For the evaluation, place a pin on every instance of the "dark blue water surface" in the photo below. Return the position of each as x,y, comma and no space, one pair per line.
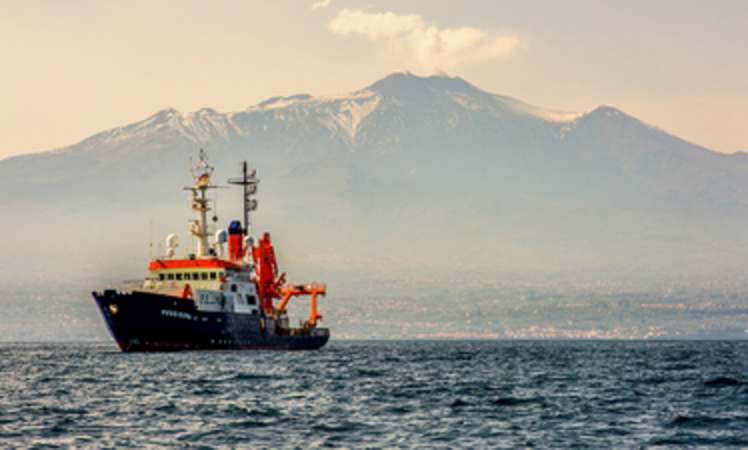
379,394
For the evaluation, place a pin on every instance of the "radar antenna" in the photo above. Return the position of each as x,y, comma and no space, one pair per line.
201,173
249,182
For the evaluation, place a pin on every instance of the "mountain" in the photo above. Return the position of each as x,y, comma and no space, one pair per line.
407,177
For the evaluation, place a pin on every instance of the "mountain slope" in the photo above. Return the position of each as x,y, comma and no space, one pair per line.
408,174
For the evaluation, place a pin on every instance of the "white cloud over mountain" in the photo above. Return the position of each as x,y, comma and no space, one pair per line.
423,46
321,4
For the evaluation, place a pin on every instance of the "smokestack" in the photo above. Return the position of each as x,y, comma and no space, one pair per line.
236,241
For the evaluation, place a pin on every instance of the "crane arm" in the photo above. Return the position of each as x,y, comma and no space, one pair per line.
297,290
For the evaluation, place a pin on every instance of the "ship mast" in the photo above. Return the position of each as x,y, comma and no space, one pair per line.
249,182
201,173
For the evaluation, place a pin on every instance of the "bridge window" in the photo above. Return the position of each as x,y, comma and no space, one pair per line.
161,276
170,276
187,276
233,288
212,275
195,276
179,276
204,275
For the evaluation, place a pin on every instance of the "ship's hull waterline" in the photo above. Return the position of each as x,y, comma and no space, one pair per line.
148,322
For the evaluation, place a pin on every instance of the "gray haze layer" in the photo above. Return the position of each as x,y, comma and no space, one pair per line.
432,207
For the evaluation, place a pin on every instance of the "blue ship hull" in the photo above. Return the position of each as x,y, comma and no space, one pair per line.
146,322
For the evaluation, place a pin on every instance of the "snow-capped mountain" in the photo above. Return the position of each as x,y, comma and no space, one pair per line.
398,174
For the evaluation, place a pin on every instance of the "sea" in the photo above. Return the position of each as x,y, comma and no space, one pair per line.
379,394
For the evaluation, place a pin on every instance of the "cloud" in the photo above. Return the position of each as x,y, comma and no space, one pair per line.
321,4
422,46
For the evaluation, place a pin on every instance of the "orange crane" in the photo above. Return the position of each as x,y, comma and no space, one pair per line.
297,290
271,285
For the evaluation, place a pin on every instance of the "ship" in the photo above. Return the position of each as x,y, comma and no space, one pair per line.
226,294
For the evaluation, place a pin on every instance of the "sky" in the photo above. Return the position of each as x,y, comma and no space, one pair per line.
71,69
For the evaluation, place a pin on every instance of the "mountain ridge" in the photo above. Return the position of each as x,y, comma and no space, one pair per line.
394,168
206,123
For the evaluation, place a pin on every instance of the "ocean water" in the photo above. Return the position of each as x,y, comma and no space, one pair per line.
408,394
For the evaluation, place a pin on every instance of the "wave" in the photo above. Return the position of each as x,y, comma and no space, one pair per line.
699,421
723,382
247,376
513,401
